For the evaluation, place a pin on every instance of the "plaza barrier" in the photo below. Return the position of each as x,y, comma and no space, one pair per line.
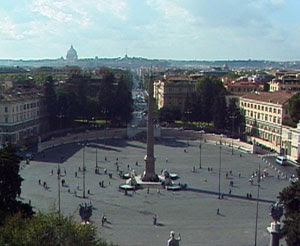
84,136
162,132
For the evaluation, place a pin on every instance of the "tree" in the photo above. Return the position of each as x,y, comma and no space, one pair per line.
219,112
48,229
106,95
67,105
192,108
290,197
208,89
123,105
235,118
169,114
50,101
294,107
10,185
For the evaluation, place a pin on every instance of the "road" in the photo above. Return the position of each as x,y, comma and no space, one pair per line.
288,170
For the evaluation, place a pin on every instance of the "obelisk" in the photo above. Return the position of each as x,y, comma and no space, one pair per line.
149,173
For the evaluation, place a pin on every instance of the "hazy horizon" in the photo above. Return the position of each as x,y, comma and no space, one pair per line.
154,29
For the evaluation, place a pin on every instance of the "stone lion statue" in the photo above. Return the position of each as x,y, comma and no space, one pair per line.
276,211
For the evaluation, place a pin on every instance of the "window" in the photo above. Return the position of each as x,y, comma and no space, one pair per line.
258,107
24,107
279,111
6,119
6,109
274,110
262,107
270,109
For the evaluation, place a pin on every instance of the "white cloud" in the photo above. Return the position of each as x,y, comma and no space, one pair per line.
117,8
9,29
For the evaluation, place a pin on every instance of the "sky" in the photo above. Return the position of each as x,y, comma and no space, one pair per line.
154,29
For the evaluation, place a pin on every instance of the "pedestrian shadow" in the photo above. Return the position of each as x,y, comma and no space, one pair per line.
215,193
159,224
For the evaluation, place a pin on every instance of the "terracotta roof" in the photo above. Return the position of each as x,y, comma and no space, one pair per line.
278,97
238,84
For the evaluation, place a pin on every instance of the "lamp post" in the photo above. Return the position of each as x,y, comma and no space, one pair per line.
96,158
83,167
256,216
200,148
220,162
83,170
232,120
58,186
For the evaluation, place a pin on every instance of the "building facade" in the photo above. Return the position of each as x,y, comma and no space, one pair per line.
173,91
21,116
291,142
285,81
264,115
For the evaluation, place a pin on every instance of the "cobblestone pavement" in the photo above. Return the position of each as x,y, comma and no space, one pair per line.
192,212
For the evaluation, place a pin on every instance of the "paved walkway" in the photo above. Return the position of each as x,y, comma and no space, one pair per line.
191,212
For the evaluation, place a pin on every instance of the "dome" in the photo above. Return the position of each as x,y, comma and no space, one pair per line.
72,54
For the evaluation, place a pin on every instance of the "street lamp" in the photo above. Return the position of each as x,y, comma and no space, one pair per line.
200,156
200,148
83,170
256,217
220,169
96,158
232,120
58,186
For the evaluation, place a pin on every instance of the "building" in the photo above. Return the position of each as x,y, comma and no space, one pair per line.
20,117
264,114
241,88
285,81
172,91
72,55
291,142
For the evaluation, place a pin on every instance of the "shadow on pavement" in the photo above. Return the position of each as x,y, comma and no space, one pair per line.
227,195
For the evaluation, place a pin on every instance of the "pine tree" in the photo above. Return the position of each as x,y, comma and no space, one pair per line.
290,197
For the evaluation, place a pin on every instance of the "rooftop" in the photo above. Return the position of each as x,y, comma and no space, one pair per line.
278,97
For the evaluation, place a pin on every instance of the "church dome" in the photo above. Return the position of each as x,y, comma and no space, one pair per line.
72,54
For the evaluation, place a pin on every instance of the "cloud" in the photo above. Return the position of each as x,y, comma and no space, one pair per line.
9,29
117,8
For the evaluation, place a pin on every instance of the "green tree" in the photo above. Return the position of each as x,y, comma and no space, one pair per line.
123,105
10,185
192,108
48,229
220,112
294,107
67,105
169,114
290,197
106,95
266,86
208,89
235,118
50,101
